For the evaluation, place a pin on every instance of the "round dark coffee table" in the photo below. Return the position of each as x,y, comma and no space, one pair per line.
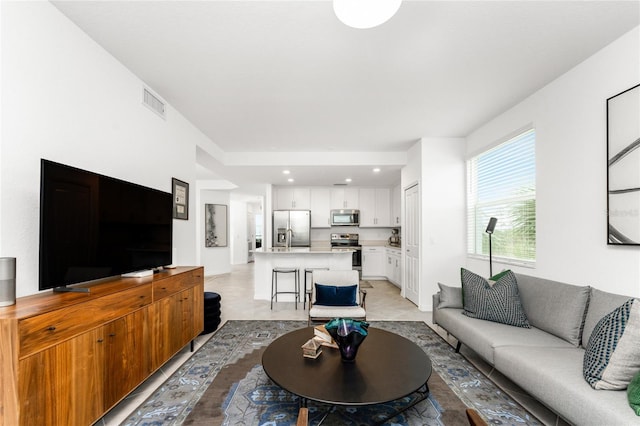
387,367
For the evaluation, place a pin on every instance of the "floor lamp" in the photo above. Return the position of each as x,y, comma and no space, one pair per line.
490,227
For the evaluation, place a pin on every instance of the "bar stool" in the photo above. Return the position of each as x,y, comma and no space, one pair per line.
306,289
274,284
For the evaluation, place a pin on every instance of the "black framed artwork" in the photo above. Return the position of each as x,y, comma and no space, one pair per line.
180,191
623,168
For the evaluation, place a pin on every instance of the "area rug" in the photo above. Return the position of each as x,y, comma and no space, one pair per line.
224,384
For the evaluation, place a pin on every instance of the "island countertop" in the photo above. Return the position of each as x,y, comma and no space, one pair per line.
300,258
301,250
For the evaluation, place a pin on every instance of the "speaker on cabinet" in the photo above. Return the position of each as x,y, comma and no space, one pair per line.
7,281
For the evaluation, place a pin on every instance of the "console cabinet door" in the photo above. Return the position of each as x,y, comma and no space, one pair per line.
62,385
127,355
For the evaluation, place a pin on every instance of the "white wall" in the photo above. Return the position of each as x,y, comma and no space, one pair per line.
238,232
66,99
216,260
569,116
443,215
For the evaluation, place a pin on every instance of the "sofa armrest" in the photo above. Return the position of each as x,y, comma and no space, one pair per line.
434,308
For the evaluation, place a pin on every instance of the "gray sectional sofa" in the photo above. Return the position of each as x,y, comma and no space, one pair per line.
546,360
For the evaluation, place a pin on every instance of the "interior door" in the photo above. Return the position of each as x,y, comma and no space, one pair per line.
411,243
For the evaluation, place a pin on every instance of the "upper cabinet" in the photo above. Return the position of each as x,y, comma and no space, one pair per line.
396,206
344,198
320,207
292,197
375,207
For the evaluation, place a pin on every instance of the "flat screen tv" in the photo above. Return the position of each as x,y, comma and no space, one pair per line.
94,227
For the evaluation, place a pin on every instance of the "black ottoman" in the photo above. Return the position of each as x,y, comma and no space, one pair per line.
211,311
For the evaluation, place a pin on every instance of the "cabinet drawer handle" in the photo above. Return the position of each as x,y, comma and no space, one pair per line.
112,335
100,340
141,297
51,328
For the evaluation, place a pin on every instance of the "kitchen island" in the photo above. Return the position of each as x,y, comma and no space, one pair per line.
295,257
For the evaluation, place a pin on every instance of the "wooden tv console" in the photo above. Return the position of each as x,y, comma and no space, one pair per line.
68,358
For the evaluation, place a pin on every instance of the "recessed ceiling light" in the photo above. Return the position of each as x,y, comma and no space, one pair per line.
286,172
376,170
290,180
347,180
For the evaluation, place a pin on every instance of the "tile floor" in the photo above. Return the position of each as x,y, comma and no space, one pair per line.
383,303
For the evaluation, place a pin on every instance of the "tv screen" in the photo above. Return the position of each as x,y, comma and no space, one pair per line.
93,226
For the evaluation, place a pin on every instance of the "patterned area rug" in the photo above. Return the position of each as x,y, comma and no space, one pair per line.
227,371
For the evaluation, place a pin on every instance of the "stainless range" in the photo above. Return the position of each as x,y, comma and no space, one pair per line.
351,241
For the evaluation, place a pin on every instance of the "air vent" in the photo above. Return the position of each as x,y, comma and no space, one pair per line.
339,184
152,102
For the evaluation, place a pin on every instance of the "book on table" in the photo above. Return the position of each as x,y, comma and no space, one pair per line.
321,333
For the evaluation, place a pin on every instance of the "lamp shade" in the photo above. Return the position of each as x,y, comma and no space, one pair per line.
365,13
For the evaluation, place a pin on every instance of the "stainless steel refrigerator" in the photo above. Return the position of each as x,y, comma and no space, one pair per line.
291,228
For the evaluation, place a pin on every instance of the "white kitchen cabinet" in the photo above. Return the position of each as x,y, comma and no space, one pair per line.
375,210
373,262
294,197
393,267
320,207
396,206
344,198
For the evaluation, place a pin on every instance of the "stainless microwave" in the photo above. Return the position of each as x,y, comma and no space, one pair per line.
345,217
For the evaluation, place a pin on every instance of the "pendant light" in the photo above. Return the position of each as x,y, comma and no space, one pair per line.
363,14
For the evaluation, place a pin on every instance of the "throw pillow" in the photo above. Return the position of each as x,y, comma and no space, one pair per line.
331,295
450,297
612,356
499,302
633,393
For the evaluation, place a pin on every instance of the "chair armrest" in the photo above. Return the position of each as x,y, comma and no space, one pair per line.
363,296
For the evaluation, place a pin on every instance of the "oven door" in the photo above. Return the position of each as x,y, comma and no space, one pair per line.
345,217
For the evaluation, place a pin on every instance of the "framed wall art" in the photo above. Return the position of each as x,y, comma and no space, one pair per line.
623,167
215,225
180,191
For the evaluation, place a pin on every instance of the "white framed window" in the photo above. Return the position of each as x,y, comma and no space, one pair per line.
501,183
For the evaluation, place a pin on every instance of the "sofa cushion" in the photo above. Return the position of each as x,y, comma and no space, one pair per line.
633,393
612,356
485,336
450,297
600,304
555,307
554,377
499,302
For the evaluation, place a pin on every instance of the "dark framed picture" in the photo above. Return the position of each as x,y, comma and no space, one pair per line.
623,167
180,191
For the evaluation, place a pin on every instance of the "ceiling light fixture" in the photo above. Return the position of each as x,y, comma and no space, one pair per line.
290,180
347,180
286,172
376,170
363,14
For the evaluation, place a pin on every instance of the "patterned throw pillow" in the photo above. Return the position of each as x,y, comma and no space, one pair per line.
633,393
499,302
612,356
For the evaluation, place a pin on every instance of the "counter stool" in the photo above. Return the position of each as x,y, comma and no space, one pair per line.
306,289
274,284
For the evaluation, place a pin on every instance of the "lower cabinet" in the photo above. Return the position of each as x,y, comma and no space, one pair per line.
373,262
75,369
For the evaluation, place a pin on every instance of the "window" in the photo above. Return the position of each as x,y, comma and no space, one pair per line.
501,183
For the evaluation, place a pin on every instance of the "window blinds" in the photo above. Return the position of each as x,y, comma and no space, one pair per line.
501,183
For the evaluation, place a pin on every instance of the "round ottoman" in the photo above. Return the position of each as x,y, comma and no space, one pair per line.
211,312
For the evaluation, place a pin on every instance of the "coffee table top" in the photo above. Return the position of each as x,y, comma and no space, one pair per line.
387,367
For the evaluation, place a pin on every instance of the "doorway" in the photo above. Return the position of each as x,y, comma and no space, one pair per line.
411,243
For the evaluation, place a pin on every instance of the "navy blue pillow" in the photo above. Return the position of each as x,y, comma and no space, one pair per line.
331,295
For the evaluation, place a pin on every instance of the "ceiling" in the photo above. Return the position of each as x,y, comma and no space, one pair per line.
284,84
